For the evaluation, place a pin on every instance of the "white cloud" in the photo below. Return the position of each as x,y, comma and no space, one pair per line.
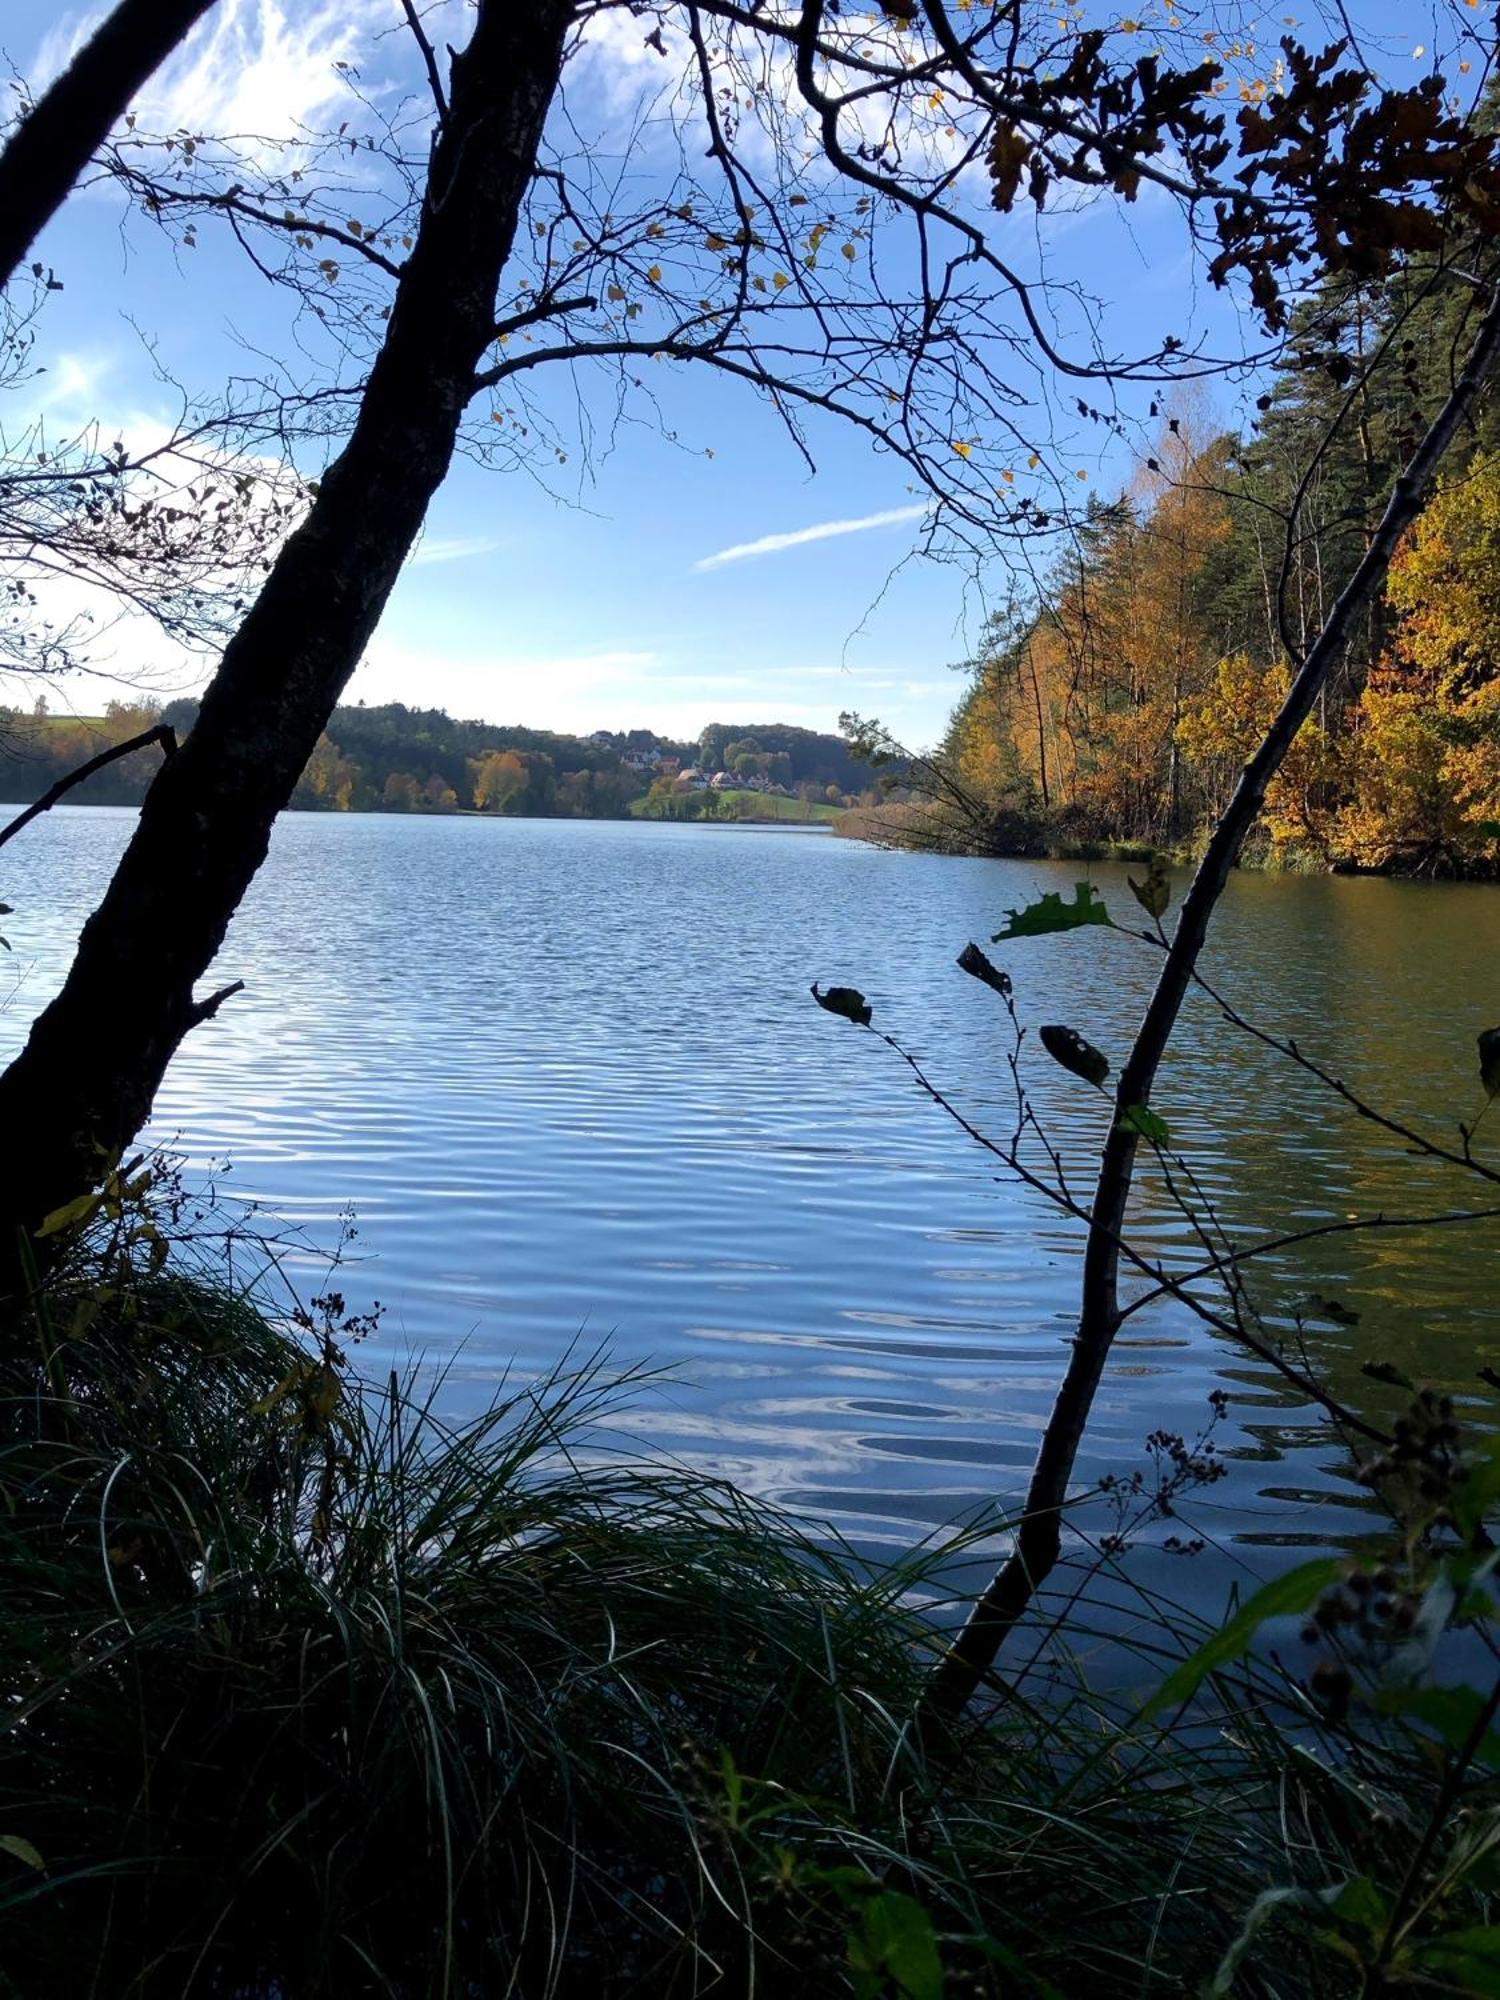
820,531
251,67
68,387
451,548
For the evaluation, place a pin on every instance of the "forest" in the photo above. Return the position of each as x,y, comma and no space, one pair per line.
391,758
1117,697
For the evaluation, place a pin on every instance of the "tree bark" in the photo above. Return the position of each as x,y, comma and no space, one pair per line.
84,1083
1038,1541
54,141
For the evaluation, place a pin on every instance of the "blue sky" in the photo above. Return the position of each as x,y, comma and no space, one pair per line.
672,587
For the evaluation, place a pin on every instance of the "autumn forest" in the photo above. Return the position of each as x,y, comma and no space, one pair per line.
1118,698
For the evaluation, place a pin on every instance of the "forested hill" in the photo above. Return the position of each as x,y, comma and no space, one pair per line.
393,758
1121,701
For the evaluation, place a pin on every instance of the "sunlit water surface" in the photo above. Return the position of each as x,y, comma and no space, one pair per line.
571,1079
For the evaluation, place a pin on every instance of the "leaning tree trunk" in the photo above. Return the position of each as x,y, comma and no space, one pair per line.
1038,1541
53,142
84,1083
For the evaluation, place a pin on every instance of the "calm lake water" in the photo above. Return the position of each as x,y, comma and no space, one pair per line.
571,1079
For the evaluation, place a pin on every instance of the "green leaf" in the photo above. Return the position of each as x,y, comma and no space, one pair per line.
1480,1490
81,1209
845,1001
895,1944
1067,1046
1359,1903
973,961
1155,892
1489,1061
1282,1598
1451,1713
1468,1960
12,1843
1144,1122
1050,913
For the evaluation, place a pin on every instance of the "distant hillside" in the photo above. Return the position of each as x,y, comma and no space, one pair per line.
392,758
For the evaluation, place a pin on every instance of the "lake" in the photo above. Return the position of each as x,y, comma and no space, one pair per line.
570,1077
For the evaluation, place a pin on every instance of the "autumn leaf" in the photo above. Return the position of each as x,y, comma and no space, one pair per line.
1489,1061
1387,1372
1316,1306
1155,892
1008,154
845,1001
973,961
1068,1047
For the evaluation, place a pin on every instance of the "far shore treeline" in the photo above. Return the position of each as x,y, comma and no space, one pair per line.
392,758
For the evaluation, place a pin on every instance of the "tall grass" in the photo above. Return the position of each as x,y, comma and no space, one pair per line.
310,1692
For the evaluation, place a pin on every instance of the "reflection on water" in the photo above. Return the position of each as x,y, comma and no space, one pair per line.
571,1078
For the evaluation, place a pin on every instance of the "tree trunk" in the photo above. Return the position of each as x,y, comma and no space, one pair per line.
1038,1540
84,1083
54,141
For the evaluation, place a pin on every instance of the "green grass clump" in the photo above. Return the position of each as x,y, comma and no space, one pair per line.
312,1693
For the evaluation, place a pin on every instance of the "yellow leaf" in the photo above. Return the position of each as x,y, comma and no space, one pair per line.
1034,461
280,1393
780,280
961,448
79,1210
850,252
654,274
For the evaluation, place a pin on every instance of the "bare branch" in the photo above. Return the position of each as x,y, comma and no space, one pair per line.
163,734
420,37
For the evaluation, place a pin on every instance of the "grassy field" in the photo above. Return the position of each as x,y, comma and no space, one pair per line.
746,805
